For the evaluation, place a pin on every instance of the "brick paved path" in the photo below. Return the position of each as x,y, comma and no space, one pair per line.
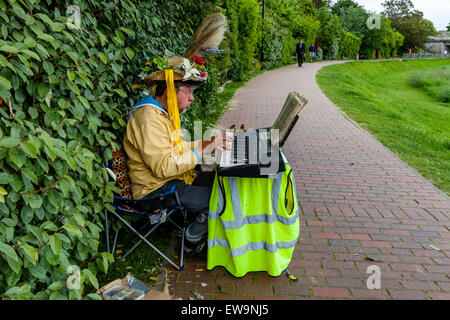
359,202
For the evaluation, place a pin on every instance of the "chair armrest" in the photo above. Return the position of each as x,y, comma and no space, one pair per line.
170,191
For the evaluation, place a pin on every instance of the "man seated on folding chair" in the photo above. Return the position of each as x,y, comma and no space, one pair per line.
158,158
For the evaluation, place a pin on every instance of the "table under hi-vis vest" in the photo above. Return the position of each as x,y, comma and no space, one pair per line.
253,223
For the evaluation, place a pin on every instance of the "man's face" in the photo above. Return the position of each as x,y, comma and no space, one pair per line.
185,97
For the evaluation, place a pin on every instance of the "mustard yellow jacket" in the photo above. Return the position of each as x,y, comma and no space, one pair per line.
153,158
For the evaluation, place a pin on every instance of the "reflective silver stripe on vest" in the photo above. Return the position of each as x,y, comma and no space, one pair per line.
255,246
240,220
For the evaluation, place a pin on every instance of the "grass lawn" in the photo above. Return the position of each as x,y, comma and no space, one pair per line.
410,120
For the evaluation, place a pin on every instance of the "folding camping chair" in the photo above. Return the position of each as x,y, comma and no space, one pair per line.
125,206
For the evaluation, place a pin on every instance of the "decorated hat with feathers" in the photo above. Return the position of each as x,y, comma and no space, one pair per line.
190,67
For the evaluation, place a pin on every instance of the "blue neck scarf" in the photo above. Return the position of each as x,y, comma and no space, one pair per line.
147,100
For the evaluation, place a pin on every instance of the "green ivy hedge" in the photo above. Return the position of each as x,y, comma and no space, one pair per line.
64,92
244,20
279,45
349,45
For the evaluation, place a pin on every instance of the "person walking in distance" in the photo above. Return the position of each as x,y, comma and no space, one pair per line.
300,52
312,53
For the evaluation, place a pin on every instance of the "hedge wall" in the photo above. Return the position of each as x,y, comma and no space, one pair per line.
244,20
64,92
349,45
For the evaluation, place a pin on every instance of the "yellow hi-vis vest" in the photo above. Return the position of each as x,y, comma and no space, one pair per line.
256,226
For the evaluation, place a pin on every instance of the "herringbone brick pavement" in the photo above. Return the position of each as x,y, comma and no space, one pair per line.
361,206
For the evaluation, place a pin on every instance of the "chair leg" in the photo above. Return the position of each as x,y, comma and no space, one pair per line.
115,241
147,242
107,230
149,232
182,239
184,230
139,242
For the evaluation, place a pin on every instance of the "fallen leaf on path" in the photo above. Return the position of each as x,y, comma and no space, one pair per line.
221,290
435,248
373,259
198,295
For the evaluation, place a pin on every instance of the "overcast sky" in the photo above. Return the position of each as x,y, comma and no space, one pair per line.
438,11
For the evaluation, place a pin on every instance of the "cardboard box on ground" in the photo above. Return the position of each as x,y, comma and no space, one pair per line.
133,287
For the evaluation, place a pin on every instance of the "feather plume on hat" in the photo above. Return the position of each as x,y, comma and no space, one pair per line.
209,34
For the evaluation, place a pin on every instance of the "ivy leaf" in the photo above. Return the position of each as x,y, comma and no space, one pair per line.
130,52
17,156
72,86
46,37
84,101
48,67
31,54
49,225
3,61
44,18
73,56
55,244
29,148
5,83
30,252
121,93
92,279
9,142
26,214
15,292
29,42
9,49
9,251
73,230
57,285
108,256
29,173
5,178
2,194
94,296
101,36
43,89
54,197
34,200
102,56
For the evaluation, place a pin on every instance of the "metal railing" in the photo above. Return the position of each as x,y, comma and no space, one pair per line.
424,55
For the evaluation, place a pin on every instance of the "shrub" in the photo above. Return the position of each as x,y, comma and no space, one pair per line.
278,41
435,83
243,22
349,45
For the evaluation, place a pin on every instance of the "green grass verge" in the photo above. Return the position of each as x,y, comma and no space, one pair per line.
408,120
434,82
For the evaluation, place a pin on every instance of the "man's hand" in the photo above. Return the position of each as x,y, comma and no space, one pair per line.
221,143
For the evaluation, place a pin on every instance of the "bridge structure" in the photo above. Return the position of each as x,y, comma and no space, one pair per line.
439,44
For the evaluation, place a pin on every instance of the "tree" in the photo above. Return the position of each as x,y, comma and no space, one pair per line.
409,22
429,27
354,20
317,3
330,31
342,5
400,8
383,42
448,27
